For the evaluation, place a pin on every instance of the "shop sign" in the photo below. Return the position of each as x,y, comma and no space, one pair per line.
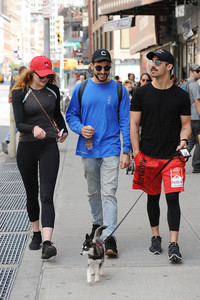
119,24
180,11
187,29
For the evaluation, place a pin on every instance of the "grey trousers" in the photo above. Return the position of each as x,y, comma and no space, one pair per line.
193,141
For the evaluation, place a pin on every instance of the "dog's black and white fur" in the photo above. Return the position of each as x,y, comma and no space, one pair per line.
95,251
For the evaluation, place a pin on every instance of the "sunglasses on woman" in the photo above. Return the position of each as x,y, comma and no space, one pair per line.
99,68
42,77
147,80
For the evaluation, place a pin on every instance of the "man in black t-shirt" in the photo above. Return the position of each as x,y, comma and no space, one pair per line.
164,112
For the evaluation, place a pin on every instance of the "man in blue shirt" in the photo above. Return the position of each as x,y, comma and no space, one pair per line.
101,117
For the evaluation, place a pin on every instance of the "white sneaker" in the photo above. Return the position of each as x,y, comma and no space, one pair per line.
4,146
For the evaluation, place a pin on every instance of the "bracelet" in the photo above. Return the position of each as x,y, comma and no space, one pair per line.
185,141
127,153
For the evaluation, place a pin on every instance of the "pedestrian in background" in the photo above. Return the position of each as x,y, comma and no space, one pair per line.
102,118
81,78
14,79
129,88
193,88
131,77
164,112
144,79
36,104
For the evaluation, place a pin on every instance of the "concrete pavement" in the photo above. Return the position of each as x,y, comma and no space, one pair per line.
135,274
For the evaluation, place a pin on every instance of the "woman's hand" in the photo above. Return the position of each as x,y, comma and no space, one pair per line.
38,132
63,137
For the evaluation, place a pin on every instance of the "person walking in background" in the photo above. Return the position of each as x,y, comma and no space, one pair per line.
164,112
100,116
144,79
129,87
81,78
117,78
36,104
193,88
131,77
14,79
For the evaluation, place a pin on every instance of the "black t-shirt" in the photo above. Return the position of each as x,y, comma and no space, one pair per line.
161,123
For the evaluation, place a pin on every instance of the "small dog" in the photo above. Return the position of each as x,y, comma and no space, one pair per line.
95,251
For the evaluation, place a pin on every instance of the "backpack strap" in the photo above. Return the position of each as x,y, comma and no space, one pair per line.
119,93
81,90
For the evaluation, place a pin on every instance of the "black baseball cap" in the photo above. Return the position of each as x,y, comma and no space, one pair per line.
162,55
100,55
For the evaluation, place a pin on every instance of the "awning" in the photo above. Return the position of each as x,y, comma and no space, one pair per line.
133,7
143,35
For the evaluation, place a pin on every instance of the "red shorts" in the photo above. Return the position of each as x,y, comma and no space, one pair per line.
146,168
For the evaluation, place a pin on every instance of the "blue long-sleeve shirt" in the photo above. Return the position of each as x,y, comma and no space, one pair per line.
99,109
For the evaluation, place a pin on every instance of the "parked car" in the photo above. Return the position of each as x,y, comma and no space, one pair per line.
1,78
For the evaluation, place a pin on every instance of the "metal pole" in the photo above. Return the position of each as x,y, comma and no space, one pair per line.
46,37
12,146
61,66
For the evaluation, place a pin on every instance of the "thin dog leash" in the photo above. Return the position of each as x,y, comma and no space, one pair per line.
174,155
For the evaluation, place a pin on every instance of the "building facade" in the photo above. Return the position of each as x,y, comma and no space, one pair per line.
116,41
171,24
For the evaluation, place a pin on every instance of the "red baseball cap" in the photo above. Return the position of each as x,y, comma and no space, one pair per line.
41,65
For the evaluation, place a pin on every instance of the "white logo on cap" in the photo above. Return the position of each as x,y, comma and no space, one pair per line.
103,53
46,64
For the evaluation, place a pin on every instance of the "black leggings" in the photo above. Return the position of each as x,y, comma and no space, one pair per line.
45,155
173,212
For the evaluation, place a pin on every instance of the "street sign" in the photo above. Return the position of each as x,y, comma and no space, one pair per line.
71,44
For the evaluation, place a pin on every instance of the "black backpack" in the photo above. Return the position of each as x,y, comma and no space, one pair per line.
82,88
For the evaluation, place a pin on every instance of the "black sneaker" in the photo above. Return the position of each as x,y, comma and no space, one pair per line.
155,247
94,227
36,241
173,252
48,250
111,247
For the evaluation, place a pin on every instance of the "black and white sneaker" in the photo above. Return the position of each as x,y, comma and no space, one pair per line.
48,250
155,247
173,252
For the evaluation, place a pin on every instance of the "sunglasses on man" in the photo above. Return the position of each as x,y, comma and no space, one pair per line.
156,62
197,71
47,76
99,68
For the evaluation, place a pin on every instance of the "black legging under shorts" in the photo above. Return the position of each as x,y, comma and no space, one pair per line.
42,154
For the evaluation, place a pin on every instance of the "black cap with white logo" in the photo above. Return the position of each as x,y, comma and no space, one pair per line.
162,55
100,55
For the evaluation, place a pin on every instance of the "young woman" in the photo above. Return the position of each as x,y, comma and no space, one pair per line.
36,104
144,79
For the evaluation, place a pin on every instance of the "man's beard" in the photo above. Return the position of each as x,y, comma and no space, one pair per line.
101,79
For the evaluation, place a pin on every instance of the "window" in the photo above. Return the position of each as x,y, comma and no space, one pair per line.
93,37
106,42
101,37
124,38
97,39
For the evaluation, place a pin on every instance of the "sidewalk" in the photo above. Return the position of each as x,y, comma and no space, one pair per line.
136,274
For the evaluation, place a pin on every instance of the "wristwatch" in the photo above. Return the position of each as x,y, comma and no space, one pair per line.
127,153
